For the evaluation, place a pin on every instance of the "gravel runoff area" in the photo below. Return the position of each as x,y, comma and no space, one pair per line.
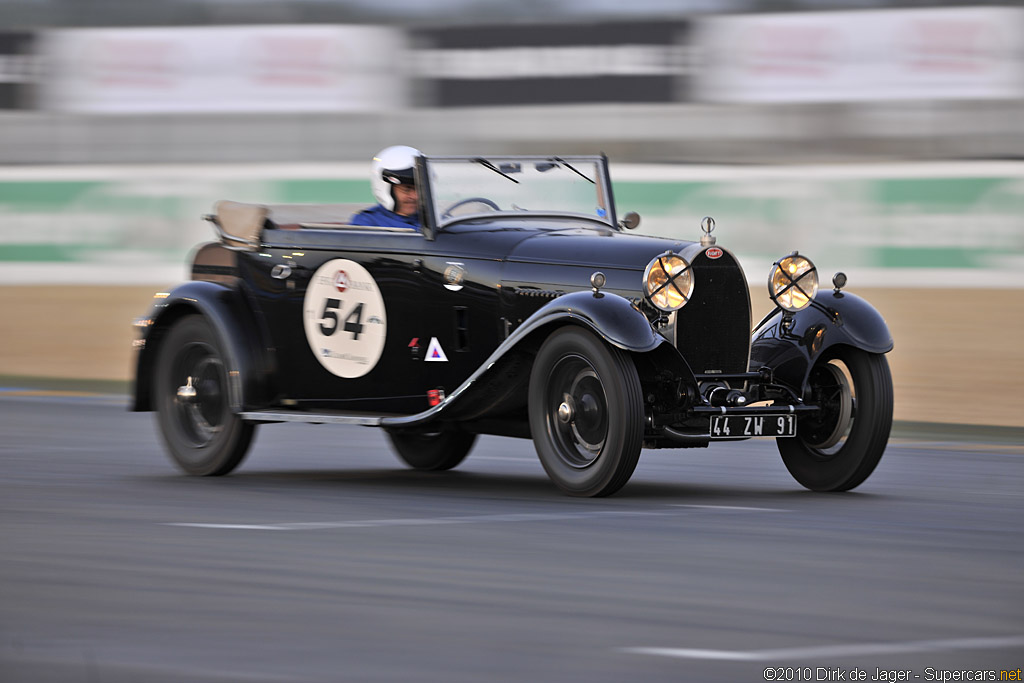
958,357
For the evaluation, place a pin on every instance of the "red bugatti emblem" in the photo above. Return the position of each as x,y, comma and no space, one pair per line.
714,252
341,280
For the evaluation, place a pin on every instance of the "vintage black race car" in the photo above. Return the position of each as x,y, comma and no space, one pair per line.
523,309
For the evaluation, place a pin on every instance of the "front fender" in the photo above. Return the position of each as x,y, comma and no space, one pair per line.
609,316
836,318
233,321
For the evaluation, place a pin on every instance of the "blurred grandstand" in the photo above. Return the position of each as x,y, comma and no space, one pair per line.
105,13
735,81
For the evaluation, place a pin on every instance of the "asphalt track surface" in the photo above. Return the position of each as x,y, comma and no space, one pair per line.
323,559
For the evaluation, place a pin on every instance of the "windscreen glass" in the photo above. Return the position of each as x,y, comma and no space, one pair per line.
466,187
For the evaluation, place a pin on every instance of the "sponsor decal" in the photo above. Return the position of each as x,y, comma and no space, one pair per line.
435,352
344,318
714,252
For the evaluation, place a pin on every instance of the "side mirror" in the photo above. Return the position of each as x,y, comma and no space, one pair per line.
630,221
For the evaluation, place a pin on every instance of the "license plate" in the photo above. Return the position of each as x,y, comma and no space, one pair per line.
739,426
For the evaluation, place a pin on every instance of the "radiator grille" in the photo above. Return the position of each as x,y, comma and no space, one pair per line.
713,330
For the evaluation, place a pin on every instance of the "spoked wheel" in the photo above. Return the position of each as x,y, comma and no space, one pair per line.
586,413
836,449
204,437
436,451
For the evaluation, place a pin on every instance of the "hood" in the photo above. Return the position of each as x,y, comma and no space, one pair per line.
593,248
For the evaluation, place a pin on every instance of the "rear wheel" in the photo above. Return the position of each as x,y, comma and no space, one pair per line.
839,447
586,413
203,436
431,451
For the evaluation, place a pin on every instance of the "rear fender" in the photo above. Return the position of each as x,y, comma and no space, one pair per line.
234,322
837,318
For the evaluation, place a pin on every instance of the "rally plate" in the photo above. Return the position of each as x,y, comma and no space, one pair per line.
741,426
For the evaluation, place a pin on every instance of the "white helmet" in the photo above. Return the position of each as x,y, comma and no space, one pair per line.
392,166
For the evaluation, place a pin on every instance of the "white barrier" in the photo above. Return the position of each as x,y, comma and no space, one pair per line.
861,56
224,69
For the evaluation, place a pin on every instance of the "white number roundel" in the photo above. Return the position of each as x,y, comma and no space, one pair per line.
344,318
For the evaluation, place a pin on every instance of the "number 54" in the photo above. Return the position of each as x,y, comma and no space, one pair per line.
329,319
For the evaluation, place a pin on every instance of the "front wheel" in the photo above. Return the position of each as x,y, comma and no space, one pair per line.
837,448
586,413
203,436
433,451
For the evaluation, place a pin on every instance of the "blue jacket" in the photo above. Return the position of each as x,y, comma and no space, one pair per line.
381,217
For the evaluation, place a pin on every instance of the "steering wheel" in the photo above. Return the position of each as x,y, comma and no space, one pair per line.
469,200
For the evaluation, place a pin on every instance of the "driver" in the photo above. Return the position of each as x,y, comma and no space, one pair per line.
393,184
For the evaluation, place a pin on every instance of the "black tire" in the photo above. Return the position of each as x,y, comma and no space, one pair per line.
839,448
586,413
431,451
203,436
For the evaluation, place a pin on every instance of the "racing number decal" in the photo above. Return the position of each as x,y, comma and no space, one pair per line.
344,317
329,319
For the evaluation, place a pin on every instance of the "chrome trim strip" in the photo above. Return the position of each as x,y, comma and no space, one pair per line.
531,324
417,418
520,332
347,226
314,418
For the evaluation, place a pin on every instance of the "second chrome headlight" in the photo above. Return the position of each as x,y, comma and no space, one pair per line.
668,282
793,282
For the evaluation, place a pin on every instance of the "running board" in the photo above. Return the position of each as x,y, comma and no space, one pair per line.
339,417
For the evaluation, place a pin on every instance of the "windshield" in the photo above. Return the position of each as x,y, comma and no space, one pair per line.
466,187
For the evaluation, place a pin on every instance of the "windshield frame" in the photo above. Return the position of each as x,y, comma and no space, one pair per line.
430,213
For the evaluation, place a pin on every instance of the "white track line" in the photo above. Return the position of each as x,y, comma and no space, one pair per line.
469,519
430,521
731,507
833,650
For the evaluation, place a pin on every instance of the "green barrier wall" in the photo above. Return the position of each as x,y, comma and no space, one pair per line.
911,225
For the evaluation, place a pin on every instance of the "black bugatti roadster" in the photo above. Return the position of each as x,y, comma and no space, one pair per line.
524,307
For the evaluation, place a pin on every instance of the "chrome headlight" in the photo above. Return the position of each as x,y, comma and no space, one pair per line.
793,282
668,282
